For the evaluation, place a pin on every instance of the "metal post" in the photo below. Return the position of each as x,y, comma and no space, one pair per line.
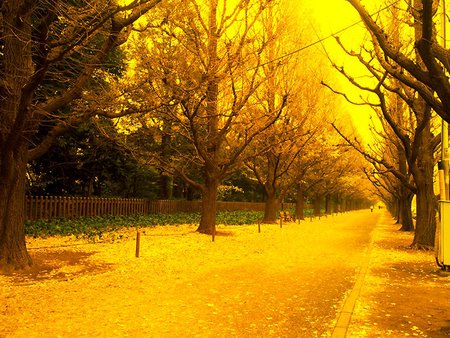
443,241
445,157
444,167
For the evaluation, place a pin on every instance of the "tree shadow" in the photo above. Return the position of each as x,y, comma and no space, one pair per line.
58,265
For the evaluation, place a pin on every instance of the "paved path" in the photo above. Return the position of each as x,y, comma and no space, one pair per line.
345,315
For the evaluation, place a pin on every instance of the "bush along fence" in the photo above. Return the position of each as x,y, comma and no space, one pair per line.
48,207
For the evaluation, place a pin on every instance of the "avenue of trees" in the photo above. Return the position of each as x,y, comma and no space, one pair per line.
407,62
199,94
227,104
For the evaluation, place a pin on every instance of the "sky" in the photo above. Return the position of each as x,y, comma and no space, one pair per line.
329,17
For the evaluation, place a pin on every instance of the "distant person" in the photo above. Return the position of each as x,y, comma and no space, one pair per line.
371,208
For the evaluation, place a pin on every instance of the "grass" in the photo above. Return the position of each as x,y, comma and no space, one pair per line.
96,226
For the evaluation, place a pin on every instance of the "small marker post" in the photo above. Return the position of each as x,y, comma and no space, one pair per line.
138,243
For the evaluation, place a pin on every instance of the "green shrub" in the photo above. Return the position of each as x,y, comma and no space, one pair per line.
238,217
95,226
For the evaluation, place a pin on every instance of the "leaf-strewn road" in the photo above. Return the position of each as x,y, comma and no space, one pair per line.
288,282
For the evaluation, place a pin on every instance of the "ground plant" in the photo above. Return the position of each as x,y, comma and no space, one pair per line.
95,227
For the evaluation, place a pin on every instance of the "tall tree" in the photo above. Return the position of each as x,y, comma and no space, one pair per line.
44,42
414,142
207,86
85,162
272,155
426,75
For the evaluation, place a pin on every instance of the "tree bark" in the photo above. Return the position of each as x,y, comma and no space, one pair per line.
270,209
426,206
317,204
423,171
16,70
210,150
405,210
299,204
209,207
328,204
424,235
13,251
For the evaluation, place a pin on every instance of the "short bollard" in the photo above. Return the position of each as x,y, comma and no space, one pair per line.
138,243
259,226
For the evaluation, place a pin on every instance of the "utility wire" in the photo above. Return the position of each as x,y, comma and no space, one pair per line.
325,38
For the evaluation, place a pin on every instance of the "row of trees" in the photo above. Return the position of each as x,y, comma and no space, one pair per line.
229,99
207,94
408,64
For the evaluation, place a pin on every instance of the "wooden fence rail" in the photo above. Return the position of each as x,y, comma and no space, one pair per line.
47,207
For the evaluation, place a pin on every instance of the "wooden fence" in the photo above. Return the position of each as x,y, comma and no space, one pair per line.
47,207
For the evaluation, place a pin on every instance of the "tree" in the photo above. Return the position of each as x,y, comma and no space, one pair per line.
207,88
334,178
428,75
44,42
416,139
273,153
85,162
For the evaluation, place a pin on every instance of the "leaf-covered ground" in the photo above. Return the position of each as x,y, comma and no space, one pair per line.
289,282
404,292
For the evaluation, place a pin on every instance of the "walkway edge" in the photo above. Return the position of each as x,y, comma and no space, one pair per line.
345,315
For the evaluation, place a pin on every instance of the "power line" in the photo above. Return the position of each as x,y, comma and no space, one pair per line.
325,38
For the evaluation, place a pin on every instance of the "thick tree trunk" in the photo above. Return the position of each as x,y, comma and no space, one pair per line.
212,144
317,205
13,251
426,219
15,97
270,209
209,208
328,204
426,206
423,173
405,211
166,186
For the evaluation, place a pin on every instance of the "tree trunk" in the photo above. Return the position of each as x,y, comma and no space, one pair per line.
425,200
209,207
13,251
166,186
398,211
299,204
213,141
405,211
317,204
270,209
328,204
344,205
426,218
423,173
15,98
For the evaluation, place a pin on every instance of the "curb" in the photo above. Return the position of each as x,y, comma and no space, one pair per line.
345,315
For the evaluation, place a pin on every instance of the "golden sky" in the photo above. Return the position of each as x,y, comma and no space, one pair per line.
329,17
